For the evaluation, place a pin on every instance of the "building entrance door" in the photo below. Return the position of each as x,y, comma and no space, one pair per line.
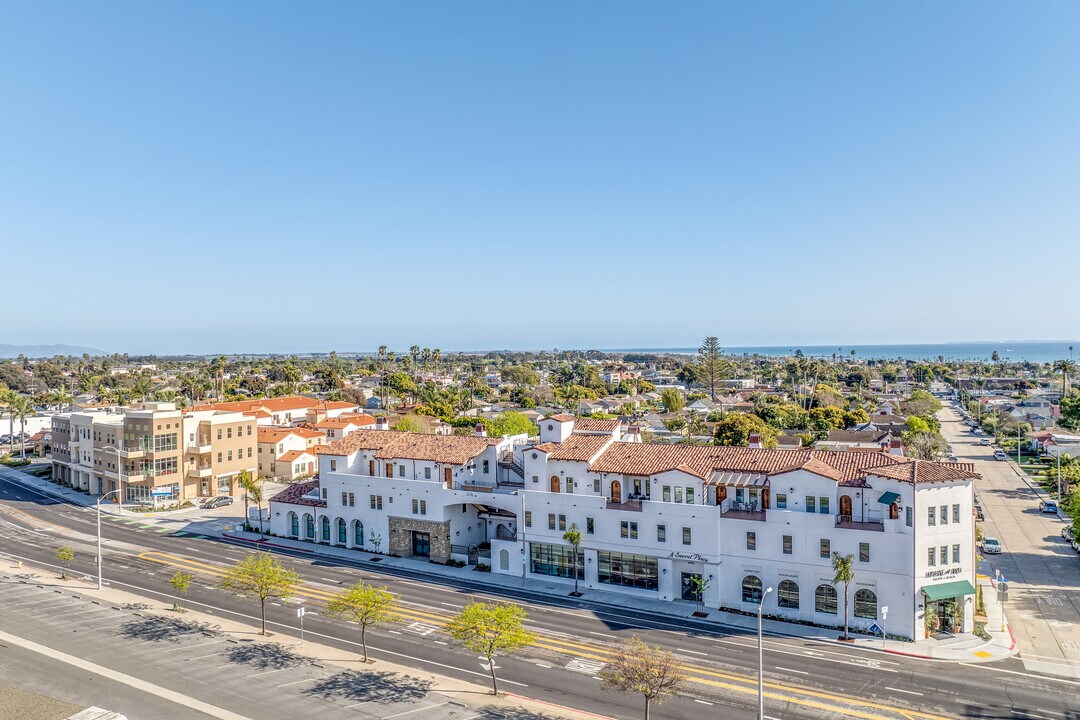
690,586
421,544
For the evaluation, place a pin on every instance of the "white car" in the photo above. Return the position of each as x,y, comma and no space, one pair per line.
991,546
984,441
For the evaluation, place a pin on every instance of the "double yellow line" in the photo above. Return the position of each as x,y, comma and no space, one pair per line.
864,709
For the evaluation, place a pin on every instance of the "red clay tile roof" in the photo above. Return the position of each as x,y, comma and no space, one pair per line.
580,447
293,495
293,455
560,418
390,444
596,425
848,468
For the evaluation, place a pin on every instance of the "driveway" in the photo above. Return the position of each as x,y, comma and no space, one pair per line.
1043,605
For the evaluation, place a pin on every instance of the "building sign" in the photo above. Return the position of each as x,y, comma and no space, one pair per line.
692,557
949,572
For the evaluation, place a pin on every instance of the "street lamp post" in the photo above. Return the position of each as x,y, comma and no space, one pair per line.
521,531
119,480
1059,477
760,660
99,559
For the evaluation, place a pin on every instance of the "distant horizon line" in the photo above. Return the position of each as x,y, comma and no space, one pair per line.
14,351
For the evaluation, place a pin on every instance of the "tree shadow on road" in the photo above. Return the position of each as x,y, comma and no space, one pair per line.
164,629
493,713
265,656
377,687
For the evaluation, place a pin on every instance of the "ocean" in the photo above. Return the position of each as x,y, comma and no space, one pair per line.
1037,352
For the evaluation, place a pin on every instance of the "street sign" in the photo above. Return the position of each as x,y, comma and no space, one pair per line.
300,612
1003,587
875,629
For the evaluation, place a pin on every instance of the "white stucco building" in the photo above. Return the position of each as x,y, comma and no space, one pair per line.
660,520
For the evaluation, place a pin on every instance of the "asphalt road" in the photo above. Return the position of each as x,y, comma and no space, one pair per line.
1043,570
804,679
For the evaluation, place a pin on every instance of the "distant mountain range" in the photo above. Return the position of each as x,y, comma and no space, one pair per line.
40,351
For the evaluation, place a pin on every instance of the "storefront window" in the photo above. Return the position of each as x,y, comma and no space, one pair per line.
557,560
866,604
628,570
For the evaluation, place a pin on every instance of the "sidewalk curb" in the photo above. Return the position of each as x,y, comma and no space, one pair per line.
262,543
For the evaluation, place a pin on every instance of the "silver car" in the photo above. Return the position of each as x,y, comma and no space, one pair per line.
991,546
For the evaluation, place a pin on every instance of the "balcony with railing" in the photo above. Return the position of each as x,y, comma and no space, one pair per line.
870,521
483,488
200,471
200,444
734,510
632,504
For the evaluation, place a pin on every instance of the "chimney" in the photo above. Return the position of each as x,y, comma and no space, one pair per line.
381,423
884,446
895,447
481,430
755,440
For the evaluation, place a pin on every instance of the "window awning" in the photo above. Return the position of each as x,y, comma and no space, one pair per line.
942,591
888,498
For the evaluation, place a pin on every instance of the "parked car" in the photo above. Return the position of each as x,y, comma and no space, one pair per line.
1068,533
991,546
1000,455
984,441
219,501
1048,506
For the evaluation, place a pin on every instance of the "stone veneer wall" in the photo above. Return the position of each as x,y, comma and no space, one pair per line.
401,530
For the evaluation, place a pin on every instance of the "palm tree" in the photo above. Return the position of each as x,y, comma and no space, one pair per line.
253,490
142,387
436,356
1065,368
62,396
22,407
842,573
7,400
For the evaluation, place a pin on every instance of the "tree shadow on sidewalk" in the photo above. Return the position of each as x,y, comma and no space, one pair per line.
377,687
165,629
266,656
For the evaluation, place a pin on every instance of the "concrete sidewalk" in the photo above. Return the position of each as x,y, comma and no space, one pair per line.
964,648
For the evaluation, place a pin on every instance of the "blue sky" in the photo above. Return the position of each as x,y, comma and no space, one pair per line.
337,175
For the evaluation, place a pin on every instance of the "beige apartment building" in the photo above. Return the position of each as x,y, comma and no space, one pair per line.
154,452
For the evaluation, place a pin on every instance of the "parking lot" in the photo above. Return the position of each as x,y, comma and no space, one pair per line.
252,679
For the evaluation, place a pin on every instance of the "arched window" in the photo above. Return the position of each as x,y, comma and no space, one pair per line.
309,527
324,524
504,560
787,595
294,525
342,531
865,604
358,534
751,589
825,599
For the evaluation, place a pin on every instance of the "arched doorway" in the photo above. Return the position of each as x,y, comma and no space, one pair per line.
554,484
845,507
324,525
616,491
358,533
721,494
342,531
294,525
309,527
894,511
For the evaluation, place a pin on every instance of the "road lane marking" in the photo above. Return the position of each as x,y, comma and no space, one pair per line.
593,632
192,647
742,684
790,670
297,682
909,692
409,712
692,652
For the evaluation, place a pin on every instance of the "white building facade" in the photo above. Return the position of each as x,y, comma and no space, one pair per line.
662,521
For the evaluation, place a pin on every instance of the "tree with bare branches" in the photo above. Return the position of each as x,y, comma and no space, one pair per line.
637,667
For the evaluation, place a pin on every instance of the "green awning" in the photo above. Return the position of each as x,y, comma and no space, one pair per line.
941,591
888,498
